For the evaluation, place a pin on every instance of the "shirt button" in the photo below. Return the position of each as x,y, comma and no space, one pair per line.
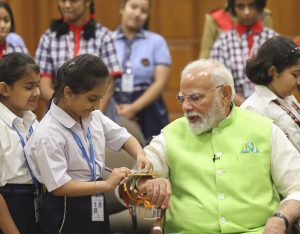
220,172
219,154
221,196
215,131
222,220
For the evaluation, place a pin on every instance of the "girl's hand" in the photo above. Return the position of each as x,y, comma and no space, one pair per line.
116,176
126,110
143,163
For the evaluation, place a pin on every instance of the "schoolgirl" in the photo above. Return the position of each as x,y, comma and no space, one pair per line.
71,35
67,151
275,71
146,62
9,41
19,92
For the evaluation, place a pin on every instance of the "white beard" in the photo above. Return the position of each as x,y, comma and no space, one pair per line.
209,120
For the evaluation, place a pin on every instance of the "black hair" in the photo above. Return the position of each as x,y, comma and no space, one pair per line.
146,24
14,65
61,27
277,51
125,1
81,74
260,5
12,20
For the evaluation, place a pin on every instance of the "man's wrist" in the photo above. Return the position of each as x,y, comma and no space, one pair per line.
281,216
142,180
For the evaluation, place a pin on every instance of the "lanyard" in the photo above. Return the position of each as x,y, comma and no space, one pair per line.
126,62
34,180
297,108
296,120
91,160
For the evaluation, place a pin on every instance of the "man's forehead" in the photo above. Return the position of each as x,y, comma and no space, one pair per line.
197,74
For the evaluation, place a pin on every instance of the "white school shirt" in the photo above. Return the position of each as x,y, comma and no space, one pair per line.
13,166
55,157
285,162
261,101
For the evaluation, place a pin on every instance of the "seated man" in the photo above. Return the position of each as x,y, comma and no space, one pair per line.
235,47
227,166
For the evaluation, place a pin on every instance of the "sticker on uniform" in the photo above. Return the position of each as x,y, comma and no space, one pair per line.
97,208
127,82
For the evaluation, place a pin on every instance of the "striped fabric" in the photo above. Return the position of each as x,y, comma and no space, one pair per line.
51,52
232,50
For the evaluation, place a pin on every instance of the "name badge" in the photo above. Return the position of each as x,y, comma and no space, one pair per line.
97,208
127,82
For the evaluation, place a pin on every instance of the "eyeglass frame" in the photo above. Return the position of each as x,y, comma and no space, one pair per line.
200,97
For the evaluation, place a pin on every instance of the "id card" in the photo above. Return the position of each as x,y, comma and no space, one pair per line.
127,82
97,208
37,206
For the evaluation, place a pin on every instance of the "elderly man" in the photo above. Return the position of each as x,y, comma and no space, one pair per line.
226,166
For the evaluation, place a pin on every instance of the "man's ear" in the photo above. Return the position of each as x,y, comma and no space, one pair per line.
272,72
226,93
3,89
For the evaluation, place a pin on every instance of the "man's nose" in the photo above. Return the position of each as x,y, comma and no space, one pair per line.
186,105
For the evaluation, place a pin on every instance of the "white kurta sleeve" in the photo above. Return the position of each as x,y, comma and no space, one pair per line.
285,165
157,154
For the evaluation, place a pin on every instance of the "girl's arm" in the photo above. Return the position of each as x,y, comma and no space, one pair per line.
135,150
7,224
75,188
161,77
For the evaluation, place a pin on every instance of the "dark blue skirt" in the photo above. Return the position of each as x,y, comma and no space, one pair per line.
20,201
71,217
152,118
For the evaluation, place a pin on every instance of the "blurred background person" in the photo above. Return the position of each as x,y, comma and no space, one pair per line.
233,48
276,72
146,61
222,20
9,41
73,34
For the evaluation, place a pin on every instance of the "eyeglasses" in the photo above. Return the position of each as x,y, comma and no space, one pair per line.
195,97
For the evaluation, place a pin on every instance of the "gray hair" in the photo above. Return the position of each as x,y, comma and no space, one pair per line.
215,69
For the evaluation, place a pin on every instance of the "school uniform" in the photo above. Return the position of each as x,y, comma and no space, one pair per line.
139,57
284,111
56,158
219,20
233,48
15,39
53,52
10,46
16,182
